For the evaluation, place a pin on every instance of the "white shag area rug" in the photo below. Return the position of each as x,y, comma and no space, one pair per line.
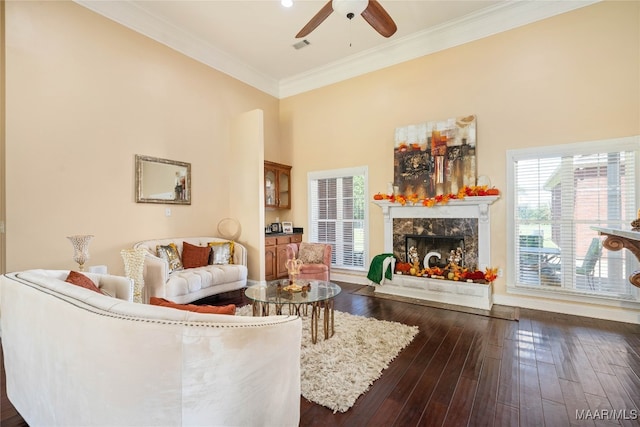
335,372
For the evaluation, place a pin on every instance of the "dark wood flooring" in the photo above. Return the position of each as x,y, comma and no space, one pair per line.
467,370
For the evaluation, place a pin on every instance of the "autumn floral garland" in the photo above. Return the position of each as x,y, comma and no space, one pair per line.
454,273
443,199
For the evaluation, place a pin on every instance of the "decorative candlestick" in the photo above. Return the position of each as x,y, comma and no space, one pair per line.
293,267
134,269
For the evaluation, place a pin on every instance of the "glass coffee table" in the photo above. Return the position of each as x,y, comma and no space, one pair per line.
317,294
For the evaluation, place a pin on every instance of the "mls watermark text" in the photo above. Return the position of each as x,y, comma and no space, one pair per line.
607,414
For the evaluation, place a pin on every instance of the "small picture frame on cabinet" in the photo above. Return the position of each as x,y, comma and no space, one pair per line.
287,227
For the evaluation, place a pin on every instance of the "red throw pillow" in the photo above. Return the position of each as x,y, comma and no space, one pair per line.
81,280
212,309
195,256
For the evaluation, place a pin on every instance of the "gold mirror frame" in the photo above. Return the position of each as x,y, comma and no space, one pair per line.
162,181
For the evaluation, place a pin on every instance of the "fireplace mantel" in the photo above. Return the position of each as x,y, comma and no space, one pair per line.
435,289
469,207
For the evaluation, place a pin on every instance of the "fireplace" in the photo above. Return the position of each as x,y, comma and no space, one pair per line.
434,251
439,235
461,223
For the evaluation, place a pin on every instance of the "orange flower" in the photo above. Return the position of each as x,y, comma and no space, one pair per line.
413,198
490,274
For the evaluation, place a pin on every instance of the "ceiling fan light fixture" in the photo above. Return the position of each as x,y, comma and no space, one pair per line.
346,7
370,10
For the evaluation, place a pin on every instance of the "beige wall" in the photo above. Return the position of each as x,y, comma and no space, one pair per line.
247,200
571,78
2,143
83,96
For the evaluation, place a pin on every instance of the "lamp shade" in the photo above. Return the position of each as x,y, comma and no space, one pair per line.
345,7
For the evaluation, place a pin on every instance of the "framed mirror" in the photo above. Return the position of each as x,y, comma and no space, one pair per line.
162,181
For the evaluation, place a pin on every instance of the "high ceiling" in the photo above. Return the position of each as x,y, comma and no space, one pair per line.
253,40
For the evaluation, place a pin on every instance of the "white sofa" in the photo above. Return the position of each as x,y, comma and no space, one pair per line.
74,357
191,284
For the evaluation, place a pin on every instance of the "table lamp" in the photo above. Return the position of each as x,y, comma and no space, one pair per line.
80,244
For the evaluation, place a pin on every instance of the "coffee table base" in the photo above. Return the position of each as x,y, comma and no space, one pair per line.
262,309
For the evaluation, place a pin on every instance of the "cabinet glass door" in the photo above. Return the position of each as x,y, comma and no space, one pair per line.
283,188
270,188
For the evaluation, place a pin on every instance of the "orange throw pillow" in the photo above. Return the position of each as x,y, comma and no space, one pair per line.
195,256
212,309
81,280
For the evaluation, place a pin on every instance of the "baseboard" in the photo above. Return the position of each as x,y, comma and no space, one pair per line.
546,304
555,306
350,277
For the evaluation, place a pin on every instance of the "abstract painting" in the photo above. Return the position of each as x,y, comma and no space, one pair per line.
435,158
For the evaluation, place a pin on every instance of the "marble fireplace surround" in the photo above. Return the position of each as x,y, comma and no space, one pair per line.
445,291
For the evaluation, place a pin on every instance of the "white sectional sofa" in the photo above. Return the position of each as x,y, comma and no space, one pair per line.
74,357
190,284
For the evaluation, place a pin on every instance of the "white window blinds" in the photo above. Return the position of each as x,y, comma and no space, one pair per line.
558,194
338,214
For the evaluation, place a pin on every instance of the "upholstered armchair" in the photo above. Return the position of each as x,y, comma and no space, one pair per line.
315,257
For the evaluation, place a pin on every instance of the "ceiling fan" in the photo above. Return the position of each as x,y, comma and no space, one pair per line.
371,11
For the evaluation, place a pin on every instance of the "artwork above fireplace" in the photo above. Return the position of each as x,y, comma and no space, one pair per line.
435,157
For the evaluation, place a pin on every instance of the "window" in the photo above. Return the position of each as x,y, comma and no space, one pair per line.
556,195
338,214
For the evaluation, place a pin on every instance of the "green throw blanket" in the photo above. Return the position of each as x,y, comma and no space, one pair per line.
375,269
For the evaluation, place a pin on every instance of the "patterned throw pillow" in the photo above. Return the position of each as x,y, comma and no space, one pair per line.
83,281
195,256
170,254
212,309
311,253
221,252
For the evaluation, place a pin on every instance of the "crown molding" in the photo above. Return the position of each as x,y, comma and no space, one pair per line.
487,22
133,17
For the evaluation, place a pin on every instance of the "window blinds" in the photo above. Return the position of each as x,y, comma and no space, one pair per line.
558,197
337,215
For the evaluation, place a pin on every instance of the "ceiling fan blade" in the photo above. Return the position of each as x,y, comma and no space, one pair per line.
316,20
379,19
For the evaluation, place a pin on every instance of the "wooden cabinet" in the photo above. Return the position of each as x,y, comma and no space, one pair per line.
275,251
281,255
277,185
270,259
